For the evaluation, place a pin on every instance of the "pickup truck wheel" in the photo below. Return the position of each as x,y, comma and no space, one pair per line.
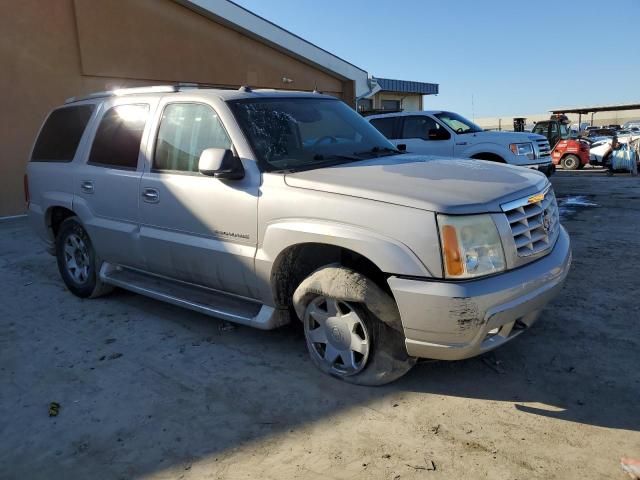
570,162
77,261
342,313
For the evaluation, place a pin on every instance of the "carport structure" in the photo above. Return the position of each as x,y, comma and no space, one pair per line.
593,109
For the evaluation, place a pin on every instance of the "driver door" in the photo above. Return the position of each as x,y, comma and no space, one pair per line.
423,135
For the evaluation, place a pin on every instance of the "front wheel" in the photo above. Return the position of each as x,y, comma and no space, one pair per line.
352,327
570,162
77,261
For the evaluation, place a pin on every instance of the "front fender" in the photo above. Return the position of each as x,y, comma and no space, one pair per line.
389,255
487,147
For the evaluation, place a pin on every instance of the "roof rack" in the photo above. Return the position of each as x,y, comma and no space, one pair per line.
138,90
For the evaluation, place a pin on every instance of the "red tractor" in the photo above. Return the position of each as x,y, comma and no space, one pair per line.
569,152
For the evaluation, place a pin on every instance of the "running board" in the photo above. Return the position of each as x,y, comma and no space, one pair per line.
204,300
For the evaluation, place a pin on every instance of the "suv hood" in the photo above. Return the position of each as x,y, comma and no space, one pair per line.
442,185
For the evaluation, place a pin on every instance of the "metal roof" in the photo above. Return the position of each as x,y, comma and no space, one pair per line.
598,108
405,86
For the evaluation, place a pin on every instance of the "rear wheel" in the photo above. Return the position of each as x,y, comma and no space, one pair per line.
77,261
352,327
570,162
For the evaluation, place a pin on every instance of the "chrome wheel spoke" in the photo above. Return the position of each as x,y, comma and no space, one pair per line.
318,335
318,315
351,319
331,354
358,345
332,307
348,360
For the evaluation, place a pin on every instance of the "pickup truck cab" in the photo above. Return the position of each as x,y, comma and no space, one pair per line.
259,207
447,134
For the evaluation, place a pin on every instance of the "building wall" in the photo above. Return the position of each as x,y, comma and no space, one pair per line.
53,50
408,102
602,118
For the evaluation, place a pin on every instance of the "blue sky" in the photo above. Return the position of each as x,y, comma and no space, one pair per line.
513,57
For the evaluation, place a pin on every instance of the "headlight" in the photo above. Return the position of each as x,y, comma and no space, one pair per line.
523,149
471,246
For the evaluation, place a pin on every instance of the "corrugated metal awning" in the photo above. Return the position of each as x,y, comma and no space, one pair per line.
405,86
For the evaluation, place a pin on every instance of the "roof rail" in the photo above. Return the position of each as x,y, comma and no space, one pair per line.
179,87
126,91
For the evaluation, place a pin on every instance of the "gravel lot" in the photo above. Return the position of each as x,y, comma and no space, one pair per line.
147,390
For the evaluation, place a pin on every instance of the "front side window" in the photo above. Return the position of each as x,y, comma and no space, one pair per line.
458,123
302,133
61,134
384,125
186,129
117,141
421,127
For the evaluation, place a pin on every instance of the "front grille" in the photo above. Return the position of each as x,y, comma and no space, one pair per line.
544,149
534,222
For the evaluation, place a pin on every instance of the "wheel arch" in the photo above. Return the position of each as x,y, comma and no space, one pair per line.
302,247
490,156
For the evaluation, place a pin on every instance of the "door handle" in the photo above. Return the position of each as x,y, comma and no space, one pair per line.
86,186
150,195
461,143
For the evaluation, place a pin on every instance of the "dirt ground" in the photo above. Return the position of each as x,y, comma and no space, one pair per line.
150,391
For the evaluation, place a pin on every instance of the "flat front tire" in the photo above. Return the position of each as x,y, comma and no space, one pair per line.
352,327
77,260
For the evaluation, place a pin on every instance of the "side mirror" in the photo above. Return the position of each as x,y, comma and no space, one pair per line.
402,147
438,134
220,163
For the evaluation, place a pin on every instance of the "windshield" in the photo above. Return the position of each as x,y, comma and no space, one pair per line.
303,133
458,123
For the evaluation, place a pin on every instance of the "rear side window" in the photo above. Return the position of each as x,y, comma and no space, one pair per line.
186,129
117,141
61,134
384,126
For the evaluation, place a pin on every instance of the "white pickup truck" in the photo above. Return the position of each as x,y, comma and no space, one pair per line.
447,134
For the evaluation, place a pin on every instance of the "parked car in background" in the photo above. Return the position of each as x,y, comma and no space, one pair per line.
601,132
447,134
258,207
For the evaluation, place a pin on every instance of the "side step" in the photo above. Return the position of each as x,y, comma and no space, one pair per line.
203,300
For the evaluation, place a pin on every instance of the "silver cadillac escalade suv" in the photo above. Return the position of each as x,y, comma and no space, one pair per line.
258,207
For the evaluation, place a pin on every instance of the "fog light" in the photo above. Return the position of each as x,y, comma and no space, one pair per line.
493,332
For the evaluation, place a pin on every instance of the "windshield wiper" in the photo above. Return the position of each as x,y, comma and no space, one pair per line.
378,150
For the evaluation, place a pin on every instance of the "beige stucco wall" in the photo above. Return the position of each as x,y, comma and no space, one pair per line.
52,50
409,102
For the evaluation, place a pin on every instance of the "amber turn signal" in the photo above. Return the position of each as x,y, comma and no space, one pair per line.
453,260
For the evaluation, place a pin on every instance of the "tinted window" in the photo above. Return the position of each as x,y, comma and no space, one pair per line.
384,126
61,134
419,127
186,129
117,141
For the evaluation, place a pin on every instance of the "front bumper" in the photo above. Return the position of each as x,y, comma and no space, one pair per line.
456,320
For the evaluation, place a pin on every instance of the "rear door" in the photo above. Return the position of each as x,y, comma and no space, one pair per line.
424,135
107,184
197,228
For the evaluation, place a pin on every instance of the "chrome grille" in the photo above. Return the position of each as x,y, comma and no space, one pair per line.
534,222
544,149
